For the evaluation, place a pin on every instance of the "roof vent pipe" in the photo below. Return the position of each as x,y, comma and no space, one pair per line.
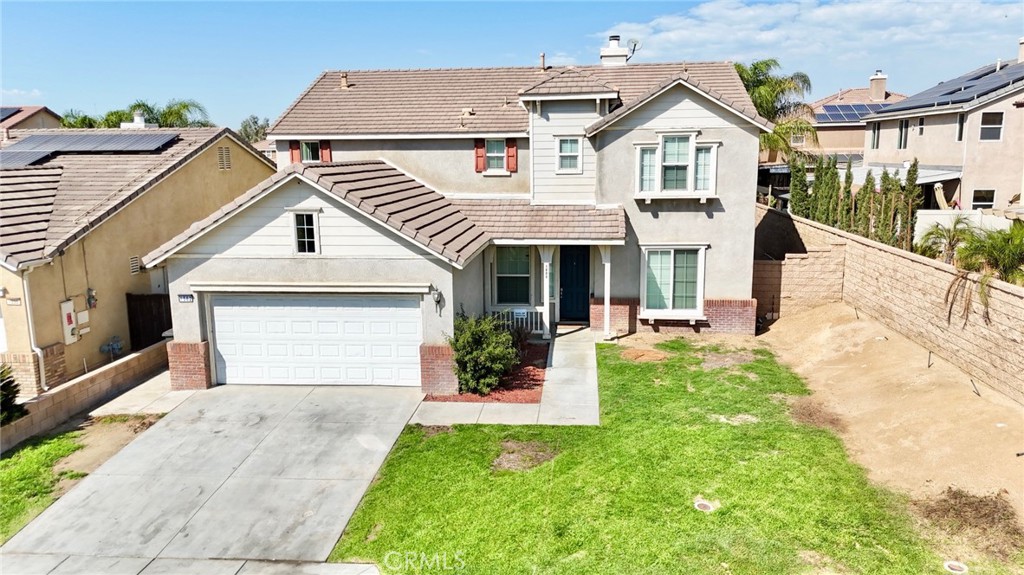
344,81
542,66
999,64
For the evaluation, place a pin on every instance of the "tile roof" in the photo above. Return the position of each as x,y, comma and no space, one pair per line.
377,189
26,202
24,113
93,186
855,96
568,81
432,101
970,90
506,219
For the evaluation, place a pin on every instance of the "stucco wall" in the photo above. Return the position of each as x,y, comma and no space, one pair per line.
100,259
725,223
839,139
447,166
906,292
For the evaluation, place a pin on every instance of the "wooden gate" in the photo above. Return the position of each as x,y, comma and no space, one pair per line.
149,316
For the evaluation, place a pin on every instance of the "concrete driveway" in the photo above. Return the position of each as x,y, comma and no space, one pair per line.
244,472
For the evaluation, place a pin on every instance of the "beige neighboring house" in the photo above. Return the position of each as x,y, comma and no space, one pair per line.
839,120
267,148
618,196
28,117
78,208
966,132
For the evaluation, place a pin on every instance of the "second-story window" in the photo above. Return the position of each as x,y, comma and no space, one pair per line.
961,120
675,163
901,134
797,140
496,155
648,169
920,126
679,165
310,152
569,156
992,126
876,134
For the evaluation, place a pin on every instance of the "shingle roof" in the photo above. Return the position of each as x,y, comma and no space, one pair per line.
568,81
26,202
519,220
378,190
432,101
93,186
24,113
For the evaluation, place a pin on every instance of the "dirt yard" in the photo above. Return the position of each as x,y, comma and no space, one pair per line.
101,439
915,428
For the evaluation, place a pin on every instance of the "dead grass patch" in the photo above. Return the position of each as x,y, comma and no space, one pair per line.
720,359
740,419
644,355
374,532
522,455
432,430
988,523
821,564
810,411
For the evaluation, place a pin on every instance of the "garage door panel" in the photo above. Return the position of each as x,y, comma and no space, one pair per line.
329,340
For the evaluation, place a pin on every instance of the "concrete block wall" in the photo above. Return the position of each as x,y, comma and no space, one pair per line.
25,367
50,409
799,280
906,292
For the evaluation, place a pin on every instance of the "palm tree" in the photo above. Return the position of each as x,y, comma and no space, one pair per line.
779,98
77,119
176,114
992,254
945,240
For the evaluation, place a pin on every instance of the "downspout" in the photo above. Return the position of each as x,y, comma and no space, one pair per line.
32,329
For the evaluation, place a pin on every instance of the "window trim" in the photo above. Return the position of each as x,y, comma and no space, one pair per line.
961,126
294,214
876,134
902,134
693,315
578,155
503,170
793,141
920,126
658,193
495,276
981,130
989,205
315,145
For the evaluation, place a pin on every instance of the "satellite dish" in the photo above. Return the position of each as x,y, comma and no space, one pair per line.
633,45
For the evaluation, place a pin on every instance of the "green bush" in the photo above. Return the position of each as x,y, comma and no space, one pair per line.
483,350
10,409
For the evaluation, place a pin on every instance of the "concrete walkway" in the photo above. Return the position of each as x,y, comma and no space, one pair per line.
149,397
569,395
46,564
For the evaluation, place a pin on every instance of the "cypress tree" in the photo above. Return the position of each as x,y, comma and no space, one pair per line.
865,204
817,190
845,214
912,200
798,200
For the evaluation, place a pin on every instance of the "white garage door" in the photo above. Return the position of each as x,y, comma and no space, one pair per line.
317,340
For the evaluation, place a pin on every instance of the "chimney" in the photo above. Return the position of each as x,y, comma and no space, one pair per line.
344,80
613,54
138,122
542,66
876,86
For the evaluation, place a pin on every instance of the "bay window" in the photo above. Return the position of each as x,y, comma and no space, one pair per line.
677,167
673,282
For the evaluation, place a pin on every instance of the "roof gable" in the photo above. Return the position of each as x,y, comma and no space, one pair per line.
568,81
24,113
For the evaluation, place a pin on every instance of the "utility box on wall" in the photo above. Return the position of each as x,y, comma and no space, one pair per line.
69,321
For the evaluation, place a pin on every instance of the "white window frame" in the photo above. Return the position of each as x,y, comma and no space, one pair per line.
494,279
293,215
961,126
797,140
988,205
314,145
999,127
503,170
876,134
692,315
578,155
920,126
902,134
691,176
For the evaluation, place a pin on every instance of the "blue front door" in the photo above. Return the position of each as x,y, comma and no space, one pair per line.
574,275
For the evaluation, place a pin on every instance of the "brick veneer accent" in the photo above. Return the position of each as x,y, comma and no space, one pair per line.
437,370
905,292
189,364
26,369
723,316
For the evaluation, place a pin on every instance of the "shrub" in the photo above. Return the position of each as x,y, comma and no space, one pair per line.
10,409
483,350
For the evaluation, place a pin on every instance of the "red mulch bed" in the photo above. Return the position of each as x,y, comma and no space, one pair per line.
521,385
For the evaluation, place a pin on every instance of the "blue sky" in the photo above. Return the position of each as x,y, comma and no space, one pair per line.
242,58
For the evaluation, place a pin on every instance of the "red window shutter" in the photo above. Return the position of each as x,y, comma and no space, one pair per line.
293,148
325,151
511,155
480,152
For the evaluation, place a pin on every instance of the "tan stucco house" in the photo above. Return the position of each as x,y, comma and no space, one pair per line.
967,133
78,209
28,117
617,196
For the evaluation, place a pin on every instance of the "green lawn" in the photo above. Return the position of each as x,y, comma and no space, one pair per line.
619,498
27,479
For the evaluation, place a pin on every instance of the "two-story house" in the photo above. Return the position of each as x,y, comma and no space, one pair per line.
619,196
967,133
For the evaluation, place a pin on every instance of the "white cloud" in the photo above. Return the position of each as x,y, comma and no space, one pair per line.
838,43
18,96
560,59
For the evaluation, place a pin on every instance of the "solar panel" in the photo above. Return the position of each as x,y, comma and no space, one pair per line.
821,118
7,112
19,159
93,142
966,88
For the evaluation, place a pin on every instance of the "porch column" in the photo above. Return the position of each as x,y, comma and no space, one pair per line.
606,259
546,254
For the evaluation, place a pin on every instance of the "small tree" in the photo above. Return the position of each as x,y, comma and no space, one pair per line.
483,351
10,409
799,202
864,202
846,215
912,200
253,129
945,240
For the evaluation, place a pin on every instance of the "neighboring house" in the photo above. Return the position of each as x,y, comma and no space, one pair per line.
28,117
267,148
616,196
839,120
77,210
967,134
